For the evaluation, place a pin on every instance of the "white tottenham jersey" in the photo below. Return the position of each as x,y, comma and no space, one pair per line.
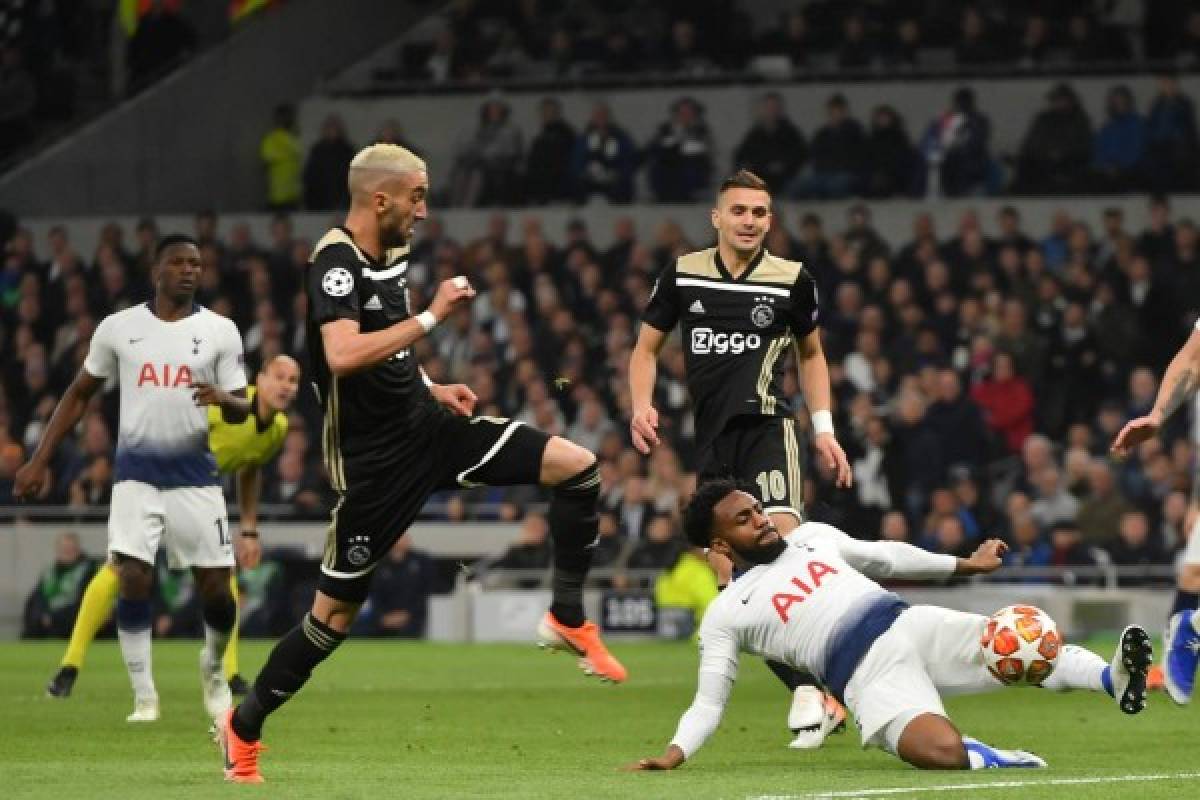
163,436
810,608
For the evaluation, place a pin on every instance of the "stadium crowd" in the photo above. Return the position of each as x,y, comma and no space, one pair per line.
496,163
551,40
978,378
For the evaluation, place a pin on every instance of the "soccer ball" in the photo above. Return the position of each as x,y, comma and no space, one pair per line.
1020,645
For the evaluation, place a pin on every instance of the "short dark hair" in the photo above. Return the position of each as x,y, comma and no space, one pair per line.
743,179
698,513
170,240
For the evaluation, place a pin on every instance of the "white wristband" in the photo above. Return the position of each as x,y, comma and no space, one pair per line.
426,320
822,421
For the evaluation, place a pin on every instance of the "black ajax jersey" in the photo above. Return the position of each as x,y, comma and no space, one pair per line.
736,332
369,416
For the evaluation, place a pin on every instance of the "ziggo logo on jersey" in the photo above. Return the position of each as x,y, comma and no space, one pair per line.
706,340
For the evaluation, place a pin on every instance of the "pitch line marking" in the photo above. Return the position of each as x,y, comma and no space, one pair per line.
1178,776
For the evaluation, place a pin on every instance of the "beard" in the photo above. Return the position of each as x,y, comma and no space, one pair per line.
763,553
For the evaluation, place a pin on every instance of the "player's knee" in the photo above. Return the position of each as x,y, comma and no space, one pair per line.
220,612
565,461
135,578
213,585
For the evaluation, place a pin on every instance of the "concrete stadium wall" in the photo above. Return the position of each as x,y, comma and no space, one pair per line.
191,141
28,548
892,218
434,123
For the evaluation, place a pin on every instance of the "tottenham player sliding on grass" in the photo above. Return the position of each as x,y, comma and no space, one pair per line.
1181,642
240,448
741,309
391,439
804,601
172,358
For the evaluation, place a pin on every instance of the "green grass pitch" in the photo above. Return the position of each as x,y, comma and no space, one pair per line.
419,720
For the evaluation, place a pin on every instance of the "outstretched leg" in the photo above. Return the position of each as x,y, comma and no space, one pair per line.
574,480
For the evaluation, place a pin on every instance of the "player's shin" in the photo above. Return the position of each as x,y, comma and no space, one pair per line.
133,633
574,526
220,614
287,669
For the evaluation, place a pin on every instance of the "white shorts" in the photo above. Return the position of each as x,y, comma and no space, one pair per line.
192,520
1191,551
927,651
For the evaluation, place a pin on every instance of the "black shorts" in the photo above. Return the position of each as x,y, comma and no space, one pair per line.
450,452
765,453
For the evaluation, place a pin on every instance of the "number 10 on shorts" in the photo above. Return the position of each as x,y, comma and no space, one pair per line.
771,485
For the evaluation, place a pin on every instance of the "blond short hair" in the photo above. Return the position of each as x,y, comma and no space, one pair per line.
387,158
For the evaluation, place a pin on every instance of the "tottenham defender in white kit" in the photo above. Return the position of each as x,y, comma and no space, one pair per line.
1182,638
171,358
805,602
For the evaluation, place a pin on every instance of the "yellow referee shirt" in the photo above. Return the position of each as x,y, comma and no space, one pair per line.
244,444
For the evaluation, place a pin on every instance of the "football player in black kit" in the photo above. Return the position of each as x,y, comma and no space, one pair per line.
741,309
391,439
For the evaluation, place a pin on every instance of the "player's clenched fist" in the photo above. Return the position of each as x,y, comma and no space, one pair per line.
451,293
31,481
988,557
643,429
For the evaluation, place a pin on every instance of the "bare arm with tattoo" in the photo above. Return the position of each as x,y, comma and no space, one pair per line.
1178,384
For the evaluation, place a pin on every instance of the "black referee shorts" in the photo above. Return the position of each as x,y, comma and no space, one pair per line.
765,453
451,452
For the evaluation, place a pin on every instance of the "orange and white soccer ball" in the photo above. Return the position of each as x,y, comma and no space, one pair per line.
1020,645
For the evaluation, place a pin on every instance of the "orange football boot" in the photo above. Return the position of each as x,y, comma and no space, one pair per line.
240,756
584,641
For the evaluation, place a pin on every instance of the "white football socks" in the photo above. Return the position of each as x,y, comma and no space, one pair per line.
215,642
1077,668
135,649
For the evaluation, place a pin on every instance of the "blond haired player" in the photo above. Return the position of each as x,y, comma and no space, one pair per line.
241,448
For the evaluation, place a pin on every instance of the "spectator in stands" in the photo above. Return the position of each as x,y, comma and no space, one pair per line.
1068,548
1073,359
890,157
1052,500
904,50
774,148
682,54
621,54
977,44
1101,511
1091,43
659,549
488,160
792,38
689,583
294,482
603,159
398,604
164,38
1057,148
1035,45
1027,547
1135,547
956,145
1172,146
282,158
956,421
636,508
856,50
51,607
262,601
836,155
679,156
1188,50
18,98
530,551
893,527
548,169
1007,402
94,485
325,171
1120,144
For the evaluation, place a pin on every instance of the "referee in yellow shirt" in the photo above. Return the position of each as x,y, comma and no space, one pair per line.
242,449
